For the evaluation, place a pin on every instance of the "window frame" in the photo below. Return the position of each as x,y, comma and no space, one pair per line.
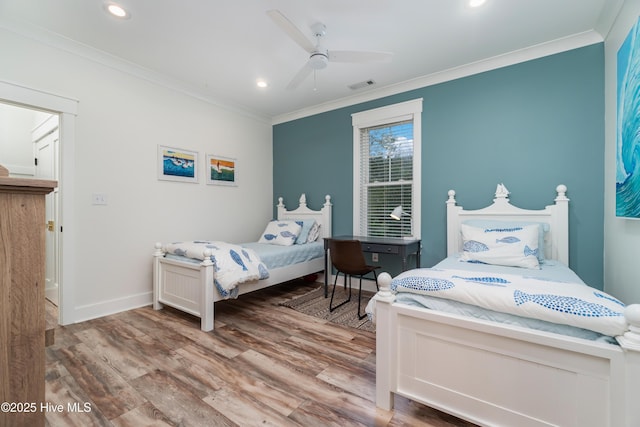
408,110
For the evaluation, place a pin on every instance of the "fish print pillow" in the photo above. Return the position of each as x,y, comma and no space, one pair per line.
515,246
283,233
543,229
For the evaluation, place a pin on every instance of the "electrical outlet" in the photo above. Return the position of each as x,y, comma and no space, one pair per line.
374,257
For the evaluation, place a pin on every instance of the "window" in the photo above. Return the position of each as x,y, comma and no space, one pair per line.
386,144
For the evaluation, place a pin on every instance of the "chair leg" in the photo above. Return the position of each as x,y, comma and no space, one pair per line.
331,307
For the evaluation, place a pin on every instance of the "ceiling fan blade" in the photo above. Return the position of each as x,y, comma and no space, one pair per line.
300,76
293,31
358,56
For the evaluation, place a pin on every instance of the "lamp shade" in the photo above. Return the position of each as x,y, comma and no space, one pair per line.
397,212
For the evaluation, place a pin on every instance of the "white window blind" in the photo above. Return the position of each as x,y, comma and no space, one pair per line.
386,173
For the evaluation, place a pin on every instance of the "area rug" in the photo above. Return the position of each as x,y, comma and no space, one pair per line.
315,304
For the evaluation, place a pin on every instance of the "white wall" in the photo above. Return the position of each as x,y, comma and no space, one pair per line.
121,119
621,236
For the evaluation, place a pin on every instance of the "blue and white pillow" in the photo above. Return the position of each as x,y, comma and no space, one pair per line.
283,233
543,229
509,246
307,225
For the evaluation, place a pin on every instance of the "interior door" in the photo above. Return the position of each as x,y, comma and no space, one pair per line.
46,152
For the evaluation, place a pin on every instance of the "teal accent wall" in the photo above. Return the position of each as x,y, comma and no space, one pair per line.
531,126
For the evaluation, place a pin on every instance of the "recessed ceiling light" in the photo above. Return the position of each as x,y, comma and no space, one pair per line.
261,83
476,3
117,10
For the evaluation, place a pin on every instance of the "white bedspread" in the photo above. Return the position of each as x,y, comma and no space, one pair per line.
568,303
233,263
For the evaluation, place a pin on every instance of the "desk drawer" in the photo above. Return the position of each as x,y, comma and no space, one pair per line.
381,249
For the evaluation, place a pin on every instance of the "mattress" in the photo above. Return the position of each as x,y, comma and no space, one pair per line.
276,256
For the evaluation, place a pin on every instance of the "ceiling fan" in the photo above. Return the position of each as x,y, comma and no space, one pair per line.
319,56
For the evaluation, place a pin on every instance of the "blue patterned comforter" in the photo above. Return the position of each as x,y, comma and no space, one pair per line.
565,303
233,264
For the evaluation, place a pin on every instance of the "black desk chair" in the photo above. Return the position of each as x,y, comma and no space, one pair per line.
347,258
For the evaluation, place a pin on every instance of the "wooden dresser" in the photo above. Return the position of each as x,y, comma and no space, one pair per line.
22,308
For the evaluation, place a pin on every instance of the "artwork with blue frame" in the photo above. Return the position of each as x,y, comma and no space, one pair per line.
628,126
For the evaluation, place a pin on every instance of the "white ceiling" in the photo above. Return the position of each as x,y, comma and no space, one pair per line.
217,49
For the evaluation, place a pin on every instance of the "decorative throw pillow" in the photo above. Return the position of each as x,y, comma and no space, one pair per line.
306,225
283,233
543,229
511,246
314,233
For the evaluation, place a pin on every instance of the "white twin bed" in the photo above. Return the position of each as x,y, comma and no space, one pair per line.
186,278
492,368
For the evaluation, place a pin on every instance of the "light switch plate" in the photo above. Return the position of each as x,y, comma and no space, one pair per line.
99,199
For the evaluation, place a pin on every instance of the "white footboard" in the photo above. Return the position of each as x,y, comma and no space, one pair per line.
494,375
189,287
186,287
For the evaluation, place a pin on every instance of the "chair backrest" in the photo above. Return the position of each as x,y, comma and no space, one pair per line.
347,256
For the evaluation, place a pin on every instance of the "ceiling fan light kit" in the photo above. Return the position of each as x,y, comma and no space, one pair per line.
318,60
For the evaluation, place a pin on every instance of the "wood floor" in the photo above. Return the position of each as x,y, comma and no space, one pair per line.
263,365
50,322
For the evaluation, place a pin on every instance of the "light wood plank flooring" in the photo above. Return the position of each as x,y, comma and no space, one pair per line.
50,322
262,365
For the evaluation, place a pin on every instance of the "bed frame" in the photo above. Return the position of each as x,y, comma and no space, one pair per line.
493,374
189,287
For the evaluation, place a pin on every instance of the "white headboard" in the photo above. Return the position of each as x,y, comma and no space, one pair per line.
556,215
322,217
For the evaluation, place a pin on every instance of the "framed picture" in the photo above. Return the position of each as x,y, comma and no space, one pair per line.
221,170
628,126
176,164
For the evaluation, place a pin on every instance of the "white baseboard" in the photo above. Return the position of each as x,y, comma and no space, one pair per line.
106,308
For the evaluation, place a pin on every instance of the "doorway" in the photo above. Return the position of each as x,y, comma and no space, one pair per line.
29,148
66,109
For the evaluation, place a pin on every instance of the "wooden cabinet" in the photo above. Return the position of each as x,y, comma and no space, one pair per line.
22,309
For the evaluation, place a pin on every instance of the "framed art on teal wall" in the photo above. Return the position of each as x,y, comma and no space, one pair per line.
628,126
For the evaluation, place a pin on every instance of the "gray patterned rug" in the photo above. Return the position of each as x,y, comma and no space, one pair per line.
315,304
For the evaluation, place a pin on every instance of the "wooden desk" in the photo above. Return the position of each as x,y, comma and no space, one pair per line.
381,245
